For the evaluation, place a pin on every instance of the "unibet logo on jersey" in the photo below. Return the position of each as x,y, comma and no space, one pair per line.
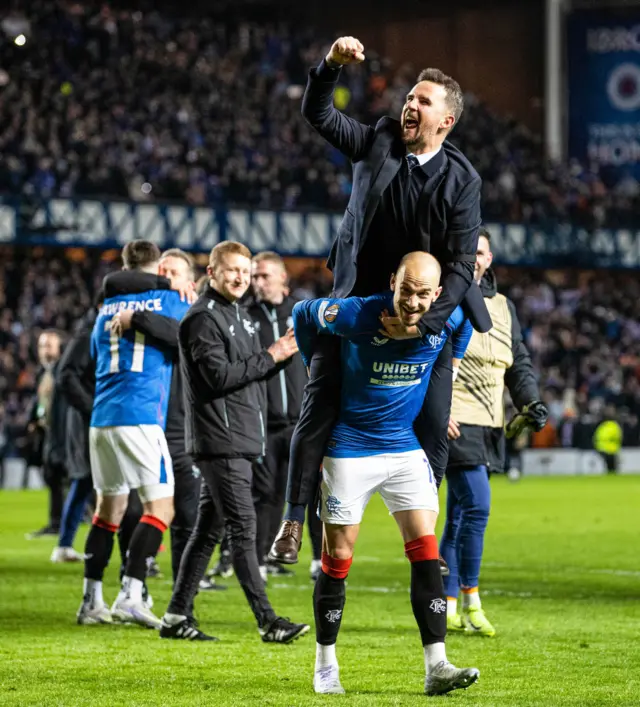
395,374
133,377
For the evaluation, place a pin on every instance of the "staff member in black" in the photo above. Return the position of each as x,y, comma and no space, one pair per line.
76,381
412,190
223,367
271,310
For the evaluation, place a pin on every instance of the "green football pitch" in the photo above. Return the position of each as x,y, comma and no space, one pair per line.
561,582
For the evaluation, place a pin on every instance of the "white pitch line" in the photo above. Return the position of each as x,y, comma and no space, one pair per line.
562,569
399,590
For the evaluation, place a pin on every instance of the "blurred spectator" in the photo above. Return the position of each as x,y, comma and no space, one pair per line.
607,439
582,330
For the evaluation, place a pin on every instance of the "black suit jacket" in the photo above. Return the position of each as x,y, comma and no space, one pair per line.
449,206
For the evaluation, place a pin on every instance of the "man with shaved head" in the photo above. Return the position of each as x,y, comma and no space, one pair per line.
373,448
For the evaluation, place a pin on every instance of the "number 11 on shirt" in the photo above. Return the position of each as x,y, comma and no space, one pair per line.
137,359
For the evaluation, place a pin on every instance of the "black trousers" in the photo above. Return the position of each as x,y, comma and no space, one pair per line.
321,405
269,487
188,481
54,476
226,494
128,524
611,462
314,526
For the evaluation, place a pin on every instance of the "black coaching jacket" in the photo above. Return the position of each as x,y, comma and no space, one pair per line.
449,206
224,367
285,388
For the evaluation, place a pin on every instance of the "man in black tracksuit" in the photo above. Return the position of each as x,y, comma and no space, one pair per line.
224,367
178,267
271,310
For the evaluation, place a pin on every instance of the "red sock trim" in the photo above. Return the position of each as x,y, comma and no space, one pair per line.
104,525
420,549
155,522
338,569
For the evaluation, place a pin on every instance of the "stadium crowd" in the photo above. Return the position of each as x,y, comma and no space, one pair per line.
581,330
147,106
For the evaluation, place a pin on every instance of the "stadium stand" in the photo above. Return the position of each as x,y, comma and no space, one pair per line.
146,106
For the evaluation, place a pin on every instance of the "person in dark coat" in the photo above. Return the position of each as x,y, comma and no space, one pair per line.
47,428
412,190
76,383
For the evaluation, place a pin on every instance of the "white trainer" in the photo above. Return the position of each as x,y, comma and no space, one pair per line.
445,677
127,612
314,569
326,681
66,554
88,615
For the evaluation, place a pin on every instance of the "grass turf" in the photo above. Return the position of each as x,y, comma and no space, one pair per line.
560,582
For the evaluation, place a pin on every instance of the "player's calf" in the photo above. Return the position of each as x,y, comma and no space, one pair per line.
98,548
329,598
145,541
430,610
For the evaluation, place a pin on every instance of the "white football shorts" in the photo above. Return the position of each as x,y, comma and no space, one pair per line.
404,480
134,457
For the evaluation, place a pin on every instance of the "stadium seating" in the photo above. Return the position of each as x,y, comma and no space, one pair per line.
145,106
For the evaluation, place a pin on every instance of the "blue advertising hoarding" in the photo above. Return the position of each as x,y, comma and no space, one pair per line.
603,52
111,224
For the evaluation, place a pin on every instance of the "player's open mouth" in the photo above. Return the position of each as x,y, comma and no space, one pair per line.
408,313
410,123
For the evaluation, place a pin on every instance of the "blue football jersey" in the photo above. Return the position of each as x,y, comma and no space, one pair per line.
133,378
384,381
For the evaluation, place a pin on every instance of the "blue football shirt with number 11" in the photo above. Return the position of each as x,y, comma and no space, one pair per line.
133,378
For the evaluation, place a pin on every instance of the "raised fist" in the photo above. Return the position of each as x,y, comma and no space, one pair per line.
346,50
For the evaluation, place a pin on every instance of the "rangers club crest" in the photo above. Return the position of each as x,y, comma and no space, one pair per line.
333,615
438,606
332,504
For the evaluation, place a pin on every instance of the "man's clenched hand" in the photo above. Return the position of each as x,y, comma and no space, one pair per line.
121,322
346,50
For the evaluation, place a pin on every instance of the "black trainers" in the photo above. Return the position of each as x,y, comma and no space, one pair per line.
43,532
186,630
281,630
273,568
224,568
209,584
153,568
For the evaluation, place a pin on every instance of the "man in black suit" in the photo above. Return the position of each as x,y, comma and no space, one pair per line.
412,190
